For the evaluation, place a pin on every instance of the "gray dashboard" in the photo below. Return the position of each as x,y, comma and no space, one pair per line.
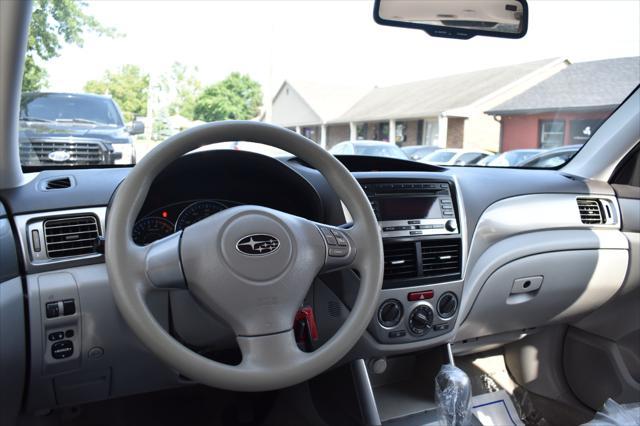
500,244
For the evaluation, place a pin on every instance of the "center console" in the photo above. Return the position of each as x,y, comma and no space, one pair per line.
423,256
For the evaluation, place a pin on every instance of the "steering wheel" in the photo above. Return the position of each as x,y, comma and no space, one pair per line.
250,266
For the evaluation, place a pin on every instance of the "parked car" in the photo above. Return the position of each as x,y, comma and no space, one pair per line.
512,158
552,157
417,152
371,148
74,129
455,157
486,160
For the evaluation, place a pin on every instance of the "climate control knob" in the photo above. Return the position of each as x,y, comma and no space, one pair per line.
390,313
451,226
420,320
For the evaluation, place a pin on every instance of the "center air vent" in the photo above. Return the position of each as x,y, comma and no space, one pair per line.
400,261
590,211
441,257
71,236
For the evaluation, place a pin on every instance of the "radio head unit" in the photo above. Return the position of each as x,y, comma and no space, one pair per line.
413,209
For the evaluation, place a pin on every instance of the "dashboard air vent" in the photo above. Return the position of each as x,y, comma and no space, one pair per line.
441,257
590,211
71,236
400,261
58,183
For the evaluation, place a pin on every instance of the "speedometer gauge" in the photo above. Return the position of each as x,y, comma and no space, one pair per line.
150,229
197,211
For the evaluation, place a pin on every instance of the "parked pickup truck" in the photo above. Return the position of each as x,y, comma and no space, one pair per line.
70,129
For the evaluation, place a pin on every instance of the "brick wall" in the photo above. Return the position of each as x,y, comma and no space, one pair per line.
455,132
337,133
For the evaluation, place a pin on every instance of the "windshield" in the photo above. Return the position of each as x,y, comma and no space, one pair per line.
102,72
69,108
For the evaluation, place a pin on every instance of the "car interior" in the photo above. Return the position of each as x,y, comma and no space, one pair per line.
228,287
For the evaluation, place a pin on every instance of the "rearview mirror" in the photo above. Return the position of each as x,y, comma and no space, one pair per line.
460,19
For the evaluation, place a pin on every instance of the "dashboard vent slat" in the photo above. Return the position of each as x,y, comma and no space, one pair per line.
590,211
400,261
441,257
71,236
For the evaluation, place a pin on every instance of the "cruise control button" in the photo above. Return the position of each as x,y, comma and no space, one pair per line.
60,350
338,252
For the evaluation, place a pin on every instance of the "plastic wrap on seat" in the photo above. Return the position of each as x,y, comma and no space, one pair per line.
615,414
453,396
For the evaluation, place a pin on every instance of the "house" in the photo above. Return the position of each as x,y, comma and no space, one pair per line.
308,107
567,107
446,111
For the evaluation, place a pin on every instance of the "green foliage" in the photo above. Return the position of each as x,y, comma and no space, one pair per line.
54,22
237,97
128,86
183,87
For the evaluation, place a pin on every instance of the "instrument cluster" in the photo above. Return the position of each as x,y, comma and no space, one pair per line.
171,218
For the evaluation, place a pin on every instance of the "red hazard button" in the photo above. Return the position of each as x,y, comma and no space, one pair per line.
420,295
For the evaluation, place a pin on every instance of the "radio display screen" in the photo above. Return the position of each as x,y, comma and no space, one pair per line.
401,208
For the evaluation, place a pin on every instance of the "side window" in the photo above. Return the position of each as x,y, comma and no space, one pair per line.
629,171
551,133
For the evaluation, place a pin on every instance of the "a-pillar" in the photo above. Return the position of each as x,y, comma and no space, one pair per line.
392,131
323,135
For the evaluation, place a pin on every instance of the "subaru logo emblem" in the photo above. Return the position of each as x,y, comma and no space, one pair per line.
59,156
258,245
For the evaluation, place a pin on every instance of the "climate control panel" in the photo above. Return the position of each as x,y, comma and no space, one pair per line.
416,313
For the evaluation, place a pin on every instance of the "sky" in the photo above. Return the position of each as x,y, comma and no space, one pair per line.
335,42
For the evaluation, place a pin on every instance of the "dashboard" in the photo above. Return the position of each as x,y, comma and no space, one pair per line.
464,250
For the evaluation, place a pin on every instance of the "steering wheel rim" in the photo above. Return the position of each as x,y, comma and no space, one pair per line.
271,358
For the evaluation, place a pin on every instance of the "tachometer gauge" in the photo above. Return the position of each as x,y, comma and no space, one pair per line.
150,229
197,211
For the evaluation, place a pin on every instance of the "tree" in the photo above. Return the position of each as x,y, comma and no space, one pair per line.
54,22
128,86
183,87
237,97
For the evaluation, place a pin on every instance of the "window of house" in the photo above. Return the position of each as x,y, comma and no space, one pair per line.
551,133
361,131
382,132
581,130
431,132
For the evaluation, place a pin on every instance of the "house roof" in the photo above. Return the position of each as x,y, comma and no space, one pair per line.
432,97
581,86
327,101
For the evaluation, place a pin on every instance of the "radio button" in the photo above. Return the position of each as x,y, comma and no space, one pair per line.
415,232
414,222
389,228
425,227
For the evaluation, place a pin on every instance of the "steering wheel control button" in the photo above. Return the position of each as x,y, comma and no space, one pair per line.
420,295
328,236
420,320
390,313
53,309
61,350
447,305
69,307
57,335
338,252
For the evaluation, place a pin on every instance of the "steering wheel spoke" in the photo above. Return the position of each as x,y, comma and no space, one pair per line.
270,352
162,263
